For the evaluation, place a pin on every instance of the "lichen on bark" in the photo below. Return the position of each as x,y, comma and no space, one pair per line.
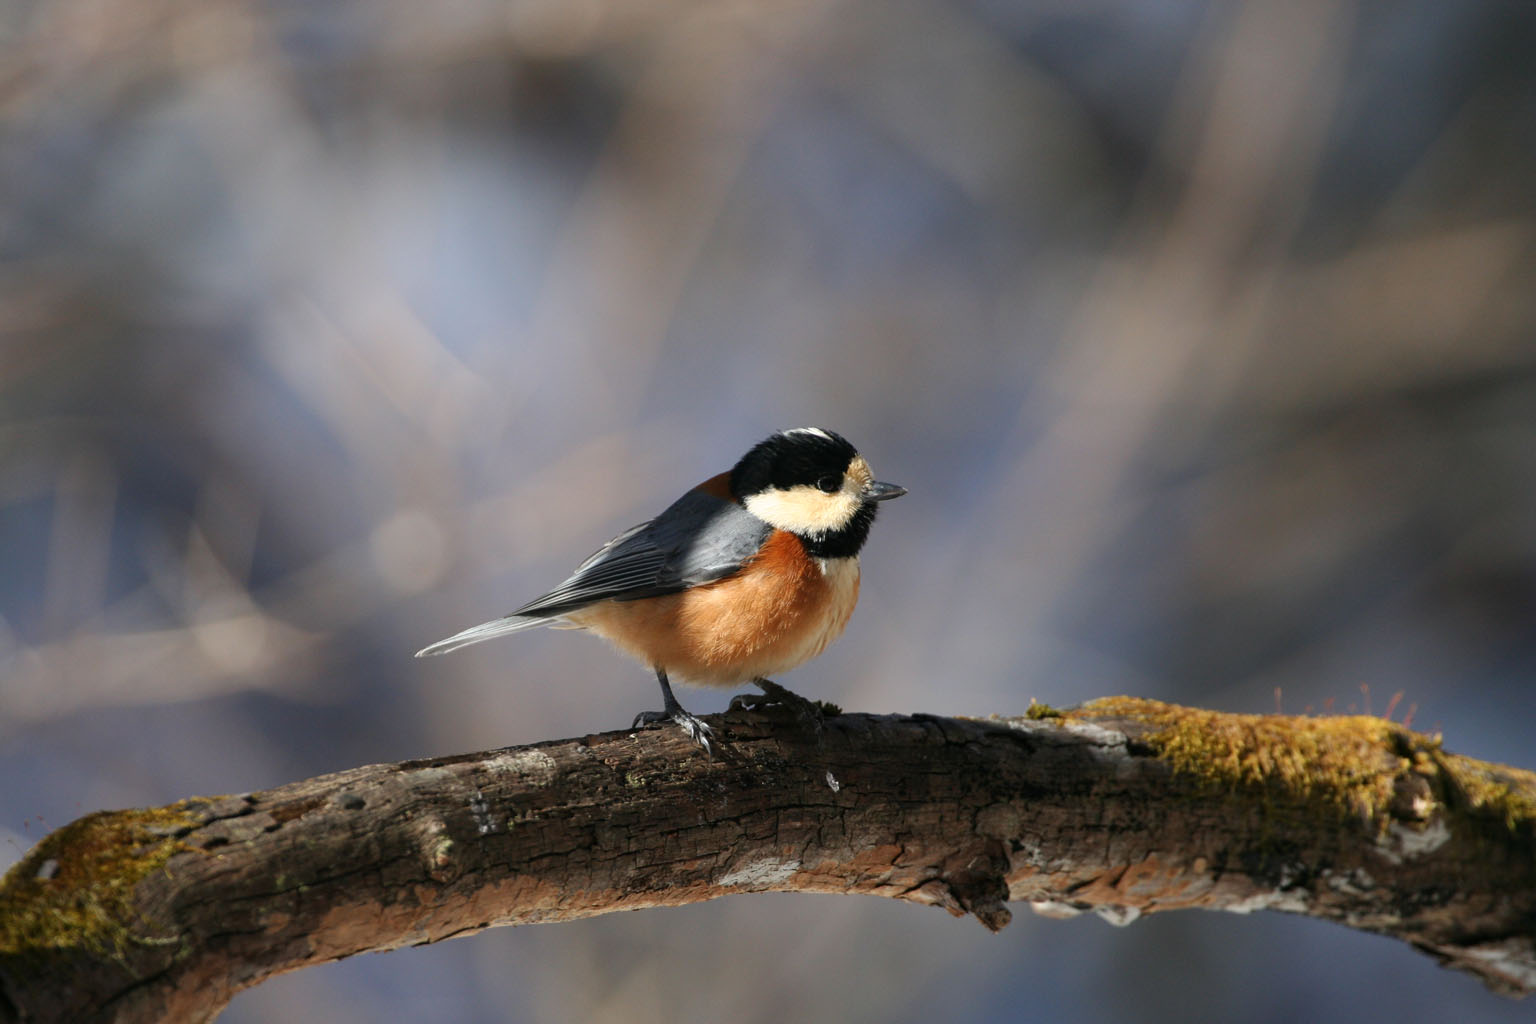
77,886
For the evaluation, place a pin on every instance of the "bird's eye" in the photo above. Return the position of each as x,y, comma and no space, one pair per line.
830,483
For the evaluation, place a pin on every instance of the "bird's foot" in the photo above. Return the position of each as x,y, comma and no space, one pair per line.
697,729
810,713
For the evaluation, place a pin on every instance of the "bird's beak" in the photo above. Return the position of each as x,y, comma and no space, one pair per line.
880,492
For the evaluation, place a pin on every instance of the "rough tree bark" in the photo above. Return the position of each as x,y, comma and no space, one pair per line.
1122,807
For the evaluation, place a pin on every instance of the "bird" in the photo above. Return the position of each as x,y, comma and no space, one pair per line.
751,573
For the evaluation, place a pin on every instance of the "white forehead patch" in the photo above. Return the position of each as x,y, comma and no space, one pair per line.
813,431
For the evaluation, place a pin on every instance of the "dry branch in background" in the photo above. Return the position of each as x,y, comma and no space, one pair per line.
1122,807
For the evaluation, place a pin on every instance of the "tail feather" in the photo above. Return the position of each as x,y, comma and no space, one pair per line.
485,631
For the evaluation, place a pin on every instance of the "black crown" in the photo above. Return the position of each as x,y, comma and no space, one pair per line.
790,459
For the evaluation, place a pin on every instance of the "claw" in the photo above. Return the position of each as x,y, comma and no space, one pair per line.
697,729
694,727
810,713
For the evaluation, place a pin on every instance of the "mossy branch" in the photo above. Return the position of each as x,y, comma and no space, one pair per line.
1121,806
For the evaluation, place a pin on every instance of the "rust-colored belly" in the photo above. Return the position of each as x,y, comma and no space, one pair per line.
780,611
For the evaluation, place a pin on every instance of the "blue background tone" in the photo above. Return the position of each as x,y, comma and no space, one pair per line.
1201,333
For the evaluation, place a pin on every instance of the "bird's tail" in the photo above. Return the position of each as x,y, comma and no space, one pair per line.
485,631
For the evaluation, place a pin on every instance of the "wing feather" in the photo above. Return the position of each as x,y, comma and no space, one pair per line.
698,539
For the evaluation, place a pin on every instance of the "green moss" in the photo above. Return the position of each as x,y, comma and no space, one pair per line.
92,867
1037,712
1503,794
1345,763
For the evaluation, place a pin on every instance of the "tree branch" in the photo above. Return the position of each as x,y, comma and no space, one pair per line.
1122,807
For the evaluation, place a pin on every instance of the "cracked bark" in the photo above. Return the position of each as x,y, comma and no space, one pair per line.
1121,807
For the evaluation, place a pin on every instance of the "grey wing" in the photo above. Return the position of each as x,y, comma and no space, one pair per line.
698,539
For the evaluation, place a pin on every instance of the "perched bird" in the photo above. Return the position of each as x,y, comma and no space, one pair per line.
752,572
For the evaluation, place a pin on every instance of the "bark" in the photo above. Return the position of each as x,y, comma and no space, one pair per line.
1120,807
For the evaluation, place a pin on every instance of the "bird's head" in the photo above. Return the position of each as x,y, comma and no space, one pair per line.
814,484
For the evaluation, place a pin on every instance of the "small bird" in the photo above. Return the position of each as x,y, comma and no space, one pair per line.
752,572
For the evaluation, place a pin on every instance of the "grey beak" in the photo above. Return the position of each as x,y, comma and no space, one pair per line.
880,492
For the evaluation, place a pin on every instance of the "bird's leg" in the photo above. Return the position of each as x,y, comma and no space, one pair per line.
672,711
810,712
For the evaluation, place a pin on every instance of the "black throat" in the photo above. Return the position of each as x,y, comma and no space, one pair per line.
844,543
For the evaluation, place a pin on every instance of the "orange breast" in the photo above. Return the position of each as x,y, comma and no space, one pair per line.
782,609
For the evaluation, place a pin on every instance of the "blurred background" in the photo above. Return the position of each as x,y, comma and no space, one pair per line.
1201,333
